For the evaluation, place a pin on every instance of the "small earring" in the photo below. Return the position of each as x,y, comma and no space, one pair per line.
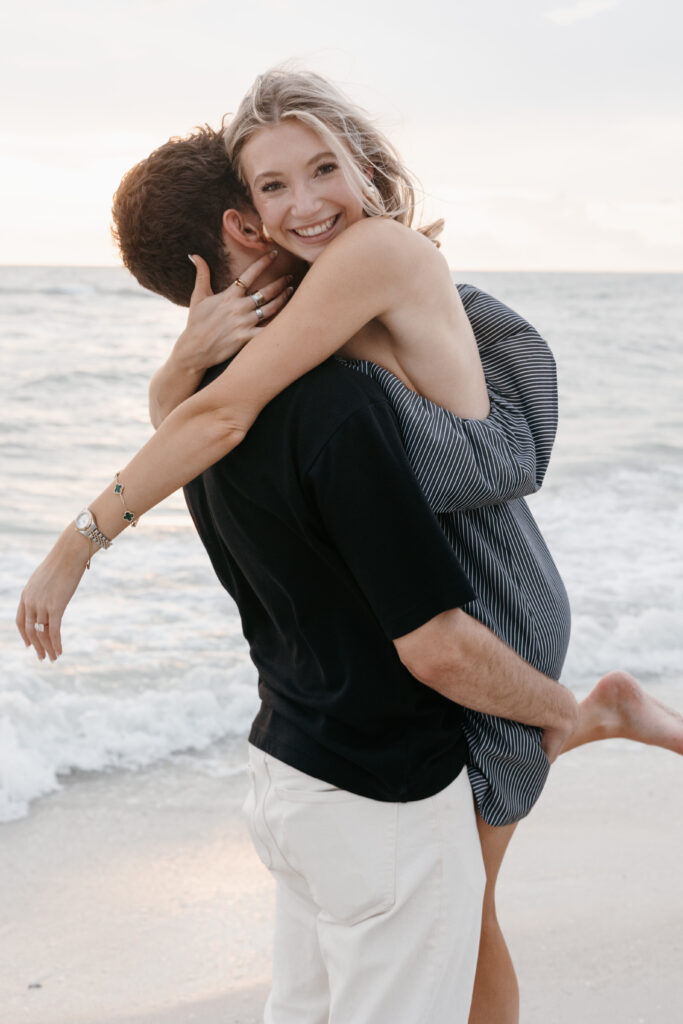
265,234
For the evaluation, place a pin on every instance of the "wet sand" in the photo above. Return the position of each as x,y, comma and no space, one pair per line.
137,899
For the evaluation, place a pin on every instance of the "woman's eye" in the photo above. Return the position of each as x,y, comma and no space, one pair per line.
271,186
327,168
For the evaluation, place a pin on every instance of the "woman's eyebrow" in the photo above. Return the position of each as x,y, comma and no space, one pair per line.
321,156
314,159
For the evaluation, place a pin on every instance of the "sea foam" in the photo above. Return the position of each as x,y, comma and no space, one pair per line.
155,663
45,734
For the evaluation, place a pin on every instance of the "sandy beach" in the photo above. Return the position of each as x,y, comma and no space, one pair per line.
136,898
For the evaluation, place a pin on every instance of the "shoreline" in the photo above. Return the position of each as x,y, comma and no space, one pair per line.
137,898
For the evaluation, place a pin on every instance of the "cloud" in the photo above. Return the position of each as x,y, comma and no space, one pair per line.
581,11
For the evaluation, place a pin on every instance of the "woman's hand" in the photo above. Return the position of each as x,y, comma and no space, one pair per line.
49,591
218,326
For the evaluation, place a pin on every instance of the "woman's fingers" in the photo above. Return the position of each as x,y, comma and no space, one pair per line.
21,623
268,310
48,592
36,635
28,619
39,628
44,641
252,311
269,291
202,285
275,305
55,634
250,276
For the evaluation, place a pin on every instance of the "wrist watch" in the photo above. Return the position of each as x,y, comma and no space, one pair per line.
85,524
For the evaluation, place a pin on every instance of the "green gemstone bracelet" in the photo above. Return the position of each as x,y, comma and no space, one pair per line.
129,516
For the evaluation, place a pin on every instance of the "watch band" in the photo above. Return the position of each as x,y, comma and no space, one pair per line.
98,536
91,531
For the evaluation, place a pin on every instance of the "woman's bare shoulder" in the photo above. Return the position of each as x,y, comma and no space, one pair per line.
383,229
386,244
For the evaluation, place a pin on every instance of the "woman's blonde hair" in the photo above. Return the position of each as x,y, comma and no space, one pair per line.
371,165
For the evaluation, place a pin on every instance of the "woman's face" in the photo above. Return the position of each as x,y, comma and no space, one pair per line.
298,188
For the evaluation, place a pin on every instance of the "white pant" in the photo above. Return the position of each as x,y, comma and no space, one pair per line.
378,904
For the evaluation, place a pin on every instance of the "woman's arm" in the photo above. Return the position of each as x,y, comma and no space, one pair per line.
189,440
350,284
174,381
366,273
351,287
377,269
218,326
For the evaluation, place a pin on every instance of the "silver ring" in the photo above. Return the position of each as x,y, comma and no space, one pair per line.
258,299
259,313
40,627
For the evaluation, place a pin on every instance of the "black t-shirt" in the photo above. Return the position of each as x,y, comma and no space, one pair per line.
317,528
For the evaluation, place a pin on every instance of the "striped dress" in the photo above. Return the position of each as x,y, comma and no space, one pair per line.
474,473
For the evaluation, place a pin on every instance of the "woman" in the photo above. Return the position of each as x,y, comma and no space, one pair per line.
316,170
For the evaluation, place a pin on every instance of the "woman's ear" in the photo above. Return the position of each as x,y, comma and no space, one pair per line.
244,228
368,172
370,188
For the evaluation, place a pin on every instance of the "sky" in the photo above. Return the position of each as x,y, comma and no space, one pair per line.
548,133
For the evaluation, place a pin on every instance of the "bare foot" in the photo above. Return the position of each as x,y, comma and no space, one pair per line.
618,706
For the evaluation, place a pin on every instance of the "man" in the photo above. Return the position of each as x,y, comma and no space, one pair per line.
351,600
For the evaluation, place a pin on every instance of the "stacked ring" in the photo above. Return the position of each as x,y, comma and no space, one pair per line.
257,298
241,283
259,312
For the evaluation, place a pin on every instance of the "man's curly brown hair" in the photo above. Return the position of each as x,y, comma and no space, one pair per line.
171,205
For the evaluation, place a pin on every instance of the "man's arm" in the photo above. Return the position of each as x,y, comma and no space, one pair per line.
378,520
467,663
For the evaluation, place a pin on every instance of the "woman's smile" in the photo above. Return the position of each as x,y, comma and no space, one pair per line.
316,231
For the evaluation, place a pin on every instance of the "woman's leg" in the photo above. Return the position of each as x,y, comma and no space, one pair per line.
495,999
619,707
616,707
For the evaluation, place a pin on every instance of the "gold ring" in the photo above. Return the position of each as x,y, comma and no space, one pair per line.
258,298
241,283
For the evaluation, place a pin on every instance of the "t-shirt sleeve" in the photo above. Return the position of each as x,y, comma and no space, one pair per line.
379,521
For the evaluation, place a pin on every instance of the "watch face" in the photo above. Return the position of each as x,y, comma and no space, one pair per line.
83,519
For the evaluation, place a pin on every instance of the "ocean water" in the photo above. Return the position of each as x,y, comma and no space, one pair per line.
155,667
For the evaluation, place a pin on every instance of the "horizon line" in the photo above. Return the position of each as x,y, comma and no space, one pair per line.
474,270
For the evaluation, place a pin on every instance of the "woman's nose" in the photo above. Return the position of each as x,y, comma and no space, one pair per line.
305,203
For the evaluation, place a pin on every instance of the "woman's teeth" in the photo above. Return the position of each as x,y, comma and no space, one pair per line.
318,229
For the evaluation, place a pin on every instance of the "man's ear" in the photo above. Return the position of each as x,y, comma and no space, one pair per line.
244,227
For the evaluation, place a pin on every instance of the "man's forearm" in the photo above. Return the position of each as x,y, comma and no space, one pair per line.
462,659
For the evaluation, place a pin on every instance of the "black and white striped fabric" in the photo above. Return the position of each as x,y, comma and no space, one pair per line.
474,474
